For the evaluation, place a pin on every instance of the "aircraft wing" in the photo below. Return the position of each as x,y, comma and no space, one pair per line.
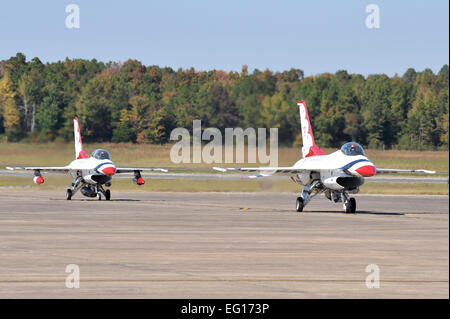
292,171
265,171
394,170
54,169
140,169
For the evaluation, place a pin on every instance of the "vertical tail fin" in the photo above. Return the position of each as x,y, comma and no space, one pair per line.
79,153
309,146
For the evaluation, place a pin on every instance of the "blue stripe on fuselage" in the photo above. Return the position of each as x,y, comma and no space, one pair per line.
101,164
353,163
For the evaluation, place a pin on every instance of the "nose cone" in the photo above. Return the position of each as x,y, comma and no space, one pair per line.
361,168
108,170
366,170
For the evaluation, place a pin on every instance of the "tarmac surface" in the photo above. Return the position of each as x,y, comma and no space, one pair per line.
221,245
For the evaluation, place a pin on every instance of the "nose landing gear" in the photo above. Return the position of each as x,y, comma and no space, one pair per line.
349,204
101,191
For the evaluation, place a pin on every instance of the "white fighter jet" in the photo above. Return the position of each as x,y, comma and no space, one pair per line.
89,173
336,175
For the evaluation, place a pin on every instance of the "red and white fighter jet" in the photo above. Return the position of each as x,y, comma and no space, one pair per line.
89,173
336,175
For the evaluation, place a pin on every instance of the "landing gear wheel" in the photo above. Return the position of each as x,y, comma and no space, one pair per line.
107,194
69,194
99,196
299,204
350,206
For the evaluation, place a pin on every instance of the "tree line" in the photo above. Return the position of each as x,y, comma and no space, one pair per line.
131,102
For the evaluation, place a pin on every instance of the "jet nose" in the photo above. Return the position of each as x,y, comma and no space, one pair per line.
109,170
366,170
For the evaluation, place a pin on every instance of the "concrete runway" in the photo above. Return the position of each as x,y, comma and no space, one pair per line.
221,245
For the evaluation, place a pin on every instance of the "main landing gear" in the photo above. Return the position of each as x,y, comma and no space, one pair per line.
315,188
299,204
307,194
74,188
87,190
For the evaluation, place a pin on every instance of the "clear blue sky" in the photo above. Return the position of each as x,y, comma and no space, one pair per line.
316,36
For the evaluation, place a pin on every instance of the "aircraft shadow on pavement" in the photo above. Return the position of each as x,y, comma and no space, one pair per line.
361,212
94,200
380,213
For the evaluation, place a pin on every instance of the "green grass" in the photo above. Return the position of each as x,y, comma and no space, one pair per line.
125,154
144,155
59,183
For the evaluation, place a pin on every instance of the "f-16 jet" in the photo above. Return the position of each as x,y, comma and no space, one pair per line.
90,173
336,175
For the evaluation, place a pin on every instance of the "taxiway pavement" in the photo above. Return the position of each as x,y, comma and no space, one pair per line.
221,245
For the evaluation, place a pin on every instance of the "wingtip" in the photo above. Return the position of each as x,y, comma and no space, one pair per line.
220,169
425,171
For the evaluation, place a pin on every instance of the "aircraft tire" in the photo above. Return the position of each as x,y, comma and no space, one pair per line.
299,204
68,194
99,196
350,207
353,205
107,194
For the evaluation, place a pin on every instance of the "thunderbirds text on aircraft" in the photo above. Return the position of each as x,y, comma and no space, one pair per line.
89,173
336,175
